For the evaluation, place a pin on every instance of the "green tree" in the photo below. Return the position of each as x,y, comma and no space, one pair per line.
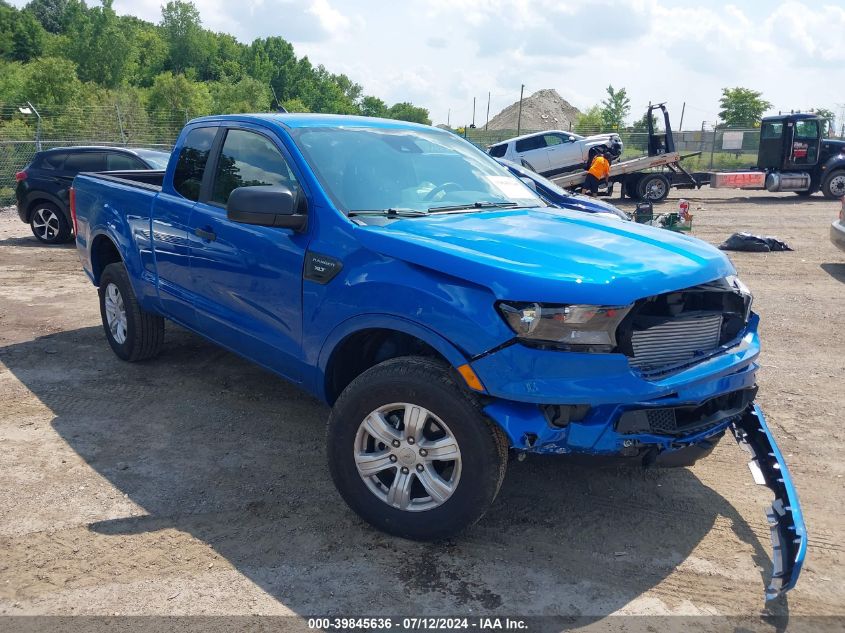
741,107
246,95
828,117
12,77
183,31
639,131
27,37
295,105
615,109
99,45
50,13
590,122
51,81
373,106
176,94
405,111
150,52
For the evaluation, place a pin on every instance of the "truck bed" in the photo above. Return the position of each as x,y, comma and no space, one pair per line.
151,179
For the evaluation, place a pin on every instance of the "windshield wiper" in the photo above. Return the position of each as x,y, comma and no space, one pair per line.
475,205
403,213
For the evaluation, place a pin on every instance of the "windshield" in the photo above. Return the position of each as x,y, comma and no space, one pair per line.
156,159
418,170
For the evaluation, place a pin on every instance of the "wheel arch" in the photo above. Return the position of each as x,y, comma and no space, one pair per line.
103,252
37,197
362,342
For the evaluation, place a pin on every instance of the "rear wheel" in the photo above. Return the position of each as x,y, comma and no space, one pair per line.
411,452
653,187
834,185
49,224
133,333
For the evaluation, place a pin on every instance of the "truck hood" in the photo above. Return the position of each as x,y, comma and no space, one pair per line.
551,255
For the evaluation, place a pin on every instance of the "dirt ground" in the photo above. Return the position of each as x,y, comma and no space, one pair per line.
197,484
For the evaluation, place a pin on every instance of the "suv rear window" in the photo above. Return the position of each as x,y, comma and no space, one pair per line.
85,161
50,160
187,179
117,161
532,142
497,151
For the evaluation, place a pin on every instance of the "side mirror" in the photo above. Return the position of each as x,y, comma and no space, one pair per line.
571,139
265,206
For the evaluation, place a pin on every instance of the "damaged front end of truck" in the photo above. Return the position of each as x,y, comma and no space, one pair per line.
681,376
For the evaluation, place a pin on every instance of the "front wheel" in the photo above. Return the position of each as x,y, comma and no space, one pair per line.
834,185
411,452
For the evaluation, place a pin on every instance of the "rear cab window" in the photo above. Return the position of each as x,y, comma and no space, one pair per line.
190,167
497,151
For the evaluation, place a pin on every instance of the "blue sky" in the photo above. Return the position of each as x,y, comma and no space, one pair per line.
442,53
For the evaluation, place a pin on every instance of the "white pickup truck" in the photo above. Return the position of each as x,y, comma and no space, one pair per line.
554,152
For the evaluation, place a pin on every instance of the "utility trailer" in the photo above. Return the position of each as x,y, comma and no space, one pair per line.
636,181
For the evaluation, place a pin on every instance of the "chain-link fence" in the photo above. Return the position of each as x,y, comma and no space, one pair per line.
26,129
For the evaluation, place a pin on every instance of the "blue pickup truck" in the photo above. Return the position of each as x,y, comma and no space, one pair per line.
449,315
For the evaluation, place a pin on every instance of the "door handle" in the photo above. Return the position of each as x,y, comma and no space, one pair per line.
209,236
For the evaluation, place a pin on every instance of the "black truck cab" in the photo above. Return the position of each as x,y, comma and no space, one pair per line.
797,157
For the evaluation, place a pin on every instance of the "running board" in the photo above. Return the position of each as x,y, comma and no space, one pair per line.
786,521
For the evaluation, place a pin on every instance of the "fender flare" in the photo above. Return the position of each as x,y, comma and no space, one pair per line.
379,321
32,196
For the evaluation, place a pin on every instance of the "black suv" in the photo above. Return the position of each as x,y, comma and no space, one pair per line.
42,189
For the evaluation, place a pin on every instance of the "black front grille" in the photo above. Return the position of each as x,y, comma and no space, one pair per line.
684,420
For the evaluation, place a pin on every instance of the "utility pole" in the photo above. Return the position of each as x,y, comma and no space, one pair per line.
681,124
488,112
519,116
473,113
449,117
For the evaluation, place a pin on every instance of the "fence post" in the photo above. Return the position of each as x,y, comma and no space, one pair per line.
713,146
120,123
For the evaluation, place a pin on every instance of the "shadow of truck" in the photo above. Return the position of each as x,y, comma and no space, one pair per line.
215,447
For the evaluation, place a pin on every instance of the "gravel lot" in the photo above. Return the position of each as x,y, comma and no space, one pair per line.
196,483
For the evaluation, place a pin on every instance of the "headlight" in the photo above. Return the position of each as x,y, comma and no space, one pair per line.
736,283
576,327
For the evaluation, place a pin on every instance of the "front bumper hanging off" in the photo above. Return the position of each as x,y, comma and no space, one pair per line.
786,521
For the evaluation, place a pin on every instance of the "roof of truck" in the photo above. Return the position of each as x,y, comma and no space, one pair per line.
303,120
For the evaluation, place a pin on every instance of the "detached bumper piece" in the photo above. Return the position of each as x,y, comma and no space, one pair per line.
786,521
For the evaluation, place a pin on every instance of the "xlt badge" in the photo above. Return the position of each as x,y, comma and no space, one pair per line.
321,268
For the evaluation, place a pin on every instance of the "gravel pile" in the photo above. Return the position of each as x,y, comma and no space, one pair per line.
544,110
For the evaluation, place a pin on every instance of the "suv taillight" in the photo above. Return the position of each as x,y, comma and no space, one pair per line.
72,205
21,175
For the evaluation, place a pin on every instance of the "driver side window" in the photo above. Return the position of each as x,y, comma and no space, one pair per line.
250,160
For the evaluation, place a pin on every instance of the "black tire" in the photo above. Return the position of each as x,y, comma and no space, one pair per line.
806,194
144,331
630,185
653,187
430,384
49,224
833,186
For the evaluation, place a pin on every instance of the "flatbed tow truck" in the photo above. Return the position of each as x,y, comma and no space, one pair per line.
632,175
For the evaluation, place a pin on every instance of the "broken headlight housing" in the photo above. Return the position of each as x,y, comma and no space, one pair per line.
575,327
